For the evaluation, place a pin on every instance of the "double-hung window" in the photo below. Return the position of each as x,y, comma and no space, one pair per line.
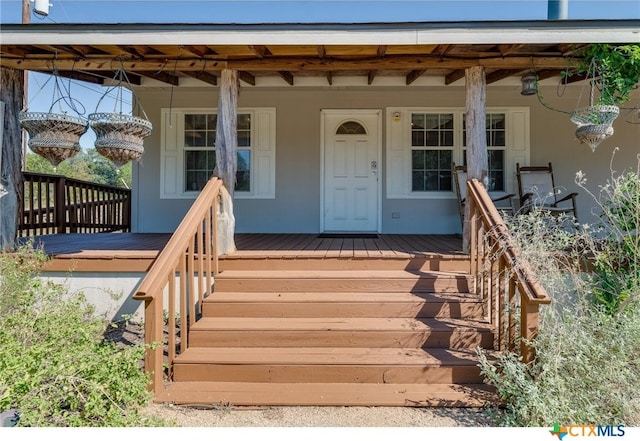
496,149
422,144
189,155
431,151
199,150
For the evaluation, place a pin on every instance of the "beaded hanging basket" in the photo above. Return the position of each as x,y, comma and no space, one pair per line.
603,114
594,134
119,137
53,136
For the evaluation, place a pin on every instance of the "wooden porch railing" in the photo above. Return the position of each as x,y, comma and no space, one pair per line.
56,204
187,265
506,282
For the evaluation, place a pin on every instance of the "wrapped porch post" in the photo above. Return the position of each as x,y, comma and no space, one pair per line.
477,156
227,157
12,95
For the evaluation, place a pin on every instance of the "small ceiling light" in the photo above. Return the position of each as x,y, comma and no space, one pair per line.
529,85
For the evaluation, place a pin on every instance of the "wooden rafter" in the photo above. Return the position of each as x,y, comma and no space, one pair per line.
501,75
82,76
414,75
382,50
205,77
454,76
548,73
260,51
370,77
329,78
161,76
247,78
287,76
508,49
322,51
200,51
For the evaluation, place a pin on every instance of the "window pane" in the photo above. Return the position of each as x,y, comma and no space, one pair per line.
431,181
244,138
431,159
446,139
432,121
195,139
244,121
417,159
417,138
243,174
417,181
431,170
446,121
445,160
445,180
417,121
432,138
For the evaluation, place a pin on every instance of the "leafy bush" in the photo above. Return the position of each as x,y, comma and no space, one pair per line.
55,366
587,366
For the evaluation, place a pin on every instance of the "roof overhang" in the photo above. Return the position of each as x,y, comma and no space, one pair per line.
486,32
171,52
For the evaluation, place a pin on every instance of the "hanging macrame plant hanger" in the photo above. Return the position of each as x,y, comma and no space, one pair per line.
55,136
595,121
119,136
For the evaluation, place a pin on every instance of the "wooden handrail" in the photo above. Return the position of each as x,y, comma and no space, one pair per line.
500,273
184,269
57,204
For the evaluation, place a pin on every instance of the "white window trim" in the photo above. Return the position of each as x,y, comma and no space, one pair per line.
398,148
263,149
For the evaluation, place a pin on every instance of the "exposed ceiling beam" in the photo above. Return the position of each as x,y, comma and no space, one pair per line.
287,76
161,76
200,51
454,76
260,51
508,49
501,75
81,76
370,77
382,50
330,78
548,73
288,64
573,78
414,75
132,51
322,51
247,77
205,77
443,49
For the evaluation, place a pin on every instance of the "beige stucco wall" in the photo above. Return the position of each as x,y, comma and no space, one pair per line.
296,207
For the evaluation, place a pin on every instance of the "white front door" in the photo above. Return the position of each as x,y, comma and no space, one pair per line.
351,169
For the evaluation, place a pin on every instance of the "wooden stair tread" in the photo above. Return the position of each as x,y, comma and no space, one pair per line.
336,274
337,323
329,356
327,394
352,297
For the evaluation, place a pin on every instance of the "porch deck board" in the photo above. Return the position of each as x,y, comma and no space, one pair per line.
115,251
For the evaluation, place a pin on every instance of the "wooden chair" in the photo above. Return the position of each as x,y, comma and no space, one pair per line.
460,178
537,188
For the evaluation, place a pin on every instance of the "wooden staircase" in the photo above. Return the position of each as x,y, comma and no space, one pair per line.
333,331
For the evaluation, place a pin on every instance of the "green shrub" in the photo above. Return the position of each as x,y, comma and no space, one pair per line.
55,366
587,367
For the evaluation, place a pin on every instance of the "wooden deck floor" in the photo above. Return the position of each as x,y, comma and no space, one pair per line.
136,251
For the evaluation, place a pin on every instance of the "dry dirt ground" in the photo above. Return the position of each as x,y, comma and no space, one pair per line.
300,416
222,416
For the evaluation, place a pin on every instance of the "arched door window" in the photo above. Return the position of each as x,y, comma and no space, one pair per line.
351,128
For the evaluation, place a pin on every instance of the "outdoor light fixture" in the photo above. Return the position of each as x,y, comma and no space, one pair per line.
529,85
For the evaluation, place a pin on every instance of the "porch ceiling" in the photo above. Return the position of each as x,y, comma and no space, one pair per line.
167,53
